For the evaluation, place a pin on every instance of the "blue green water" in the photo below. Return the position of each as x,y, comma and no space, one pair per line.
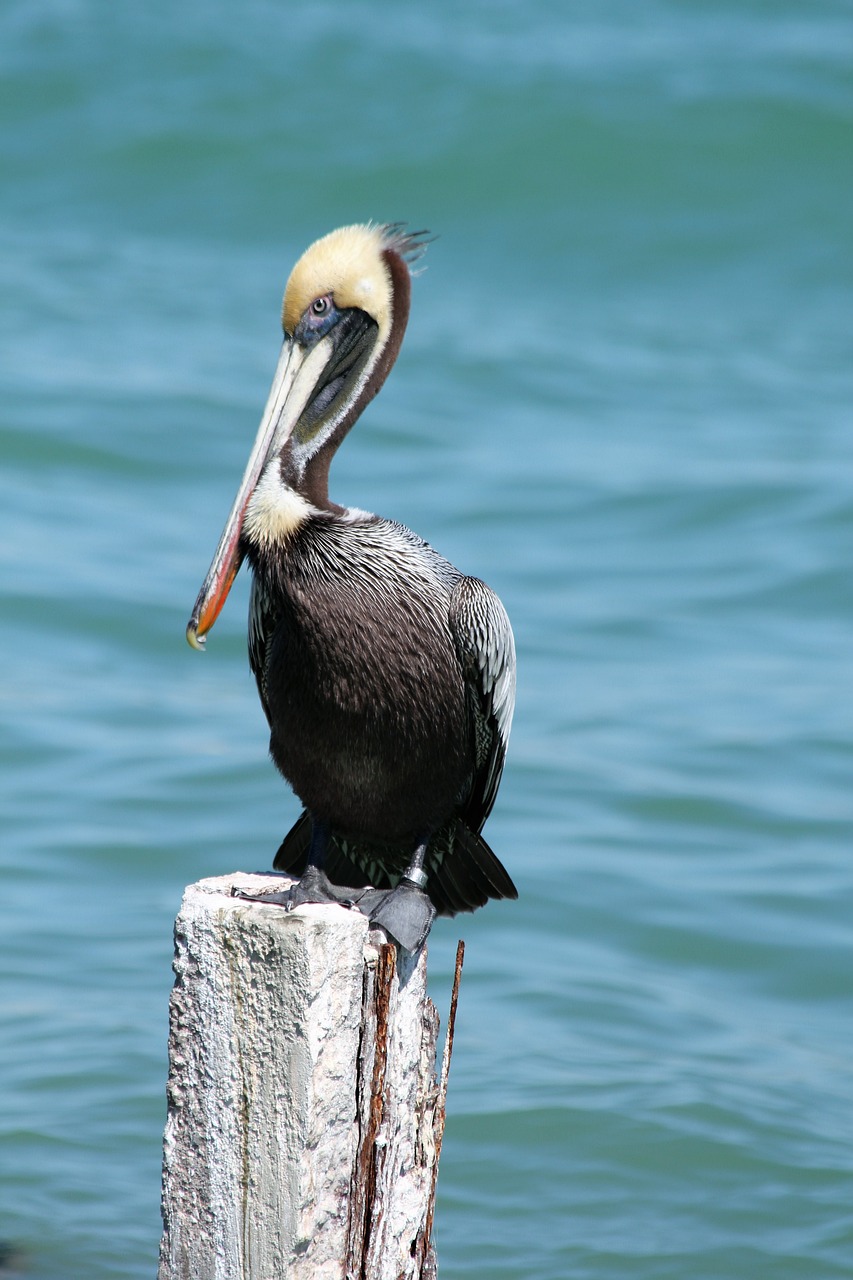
625,401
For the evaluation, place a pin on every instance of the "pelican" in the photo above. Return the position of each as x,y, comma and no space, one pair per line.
387,676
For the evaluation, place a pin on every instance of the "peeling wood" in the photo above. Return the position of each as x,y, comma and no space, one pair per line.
305,1118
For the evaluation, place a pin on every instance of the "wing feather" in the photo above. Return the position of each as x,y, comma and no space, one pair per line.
484,641
261,623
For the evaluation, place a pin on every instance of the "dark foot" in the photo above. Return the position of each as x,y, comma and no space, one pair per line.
406,913
315,886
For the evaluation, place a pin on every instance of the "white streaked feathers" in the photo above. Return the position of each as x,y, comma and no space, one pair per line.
483,635
374,557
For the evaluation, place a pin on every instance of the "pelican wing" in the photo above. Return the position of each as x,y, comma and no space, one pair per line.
261,622
483,636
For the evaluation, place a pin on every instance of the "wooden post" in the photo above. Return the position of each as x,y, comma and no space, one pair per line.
304,1117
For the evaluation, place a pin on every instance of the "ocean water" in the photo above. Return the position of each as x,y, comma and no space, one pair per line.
625,401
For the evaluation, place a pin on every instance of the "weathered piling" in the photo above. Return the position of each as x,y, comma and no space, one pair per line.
304,1116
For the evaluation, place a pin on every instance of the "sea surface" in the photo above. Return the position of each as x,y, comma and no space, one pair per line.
624,401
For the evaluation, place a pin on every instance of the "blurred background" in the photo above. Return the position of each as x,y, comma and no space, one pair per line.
625,401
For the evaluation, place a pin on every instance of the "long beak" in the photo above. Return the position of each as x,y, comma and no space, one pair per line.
295,379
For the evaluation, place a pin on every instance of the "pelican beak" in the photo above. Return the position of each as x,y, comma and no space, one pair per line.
296,378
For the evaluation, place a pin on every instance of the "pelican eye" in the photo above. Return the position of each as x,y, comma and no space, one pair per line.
317,319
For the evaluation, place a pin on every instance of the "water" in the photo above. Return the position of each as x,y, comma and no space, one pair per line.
624,400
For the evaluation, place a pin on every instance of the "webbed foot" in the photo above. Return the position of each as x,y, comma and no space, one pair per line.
406,913
314,886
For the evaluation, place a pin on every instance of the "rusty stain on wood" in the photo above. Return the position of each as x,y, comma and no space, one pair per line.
422,1248
378,981
366,1195
385,970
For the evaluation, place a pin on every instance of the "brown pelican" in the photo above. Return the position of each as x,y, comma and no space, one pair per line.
387,676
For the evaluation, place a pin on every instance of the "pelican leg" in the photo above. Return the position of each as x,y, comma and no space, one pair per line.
407,912
313,885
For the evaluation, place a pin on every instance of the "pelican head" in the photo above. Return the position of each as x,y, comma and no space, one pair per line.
344,314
